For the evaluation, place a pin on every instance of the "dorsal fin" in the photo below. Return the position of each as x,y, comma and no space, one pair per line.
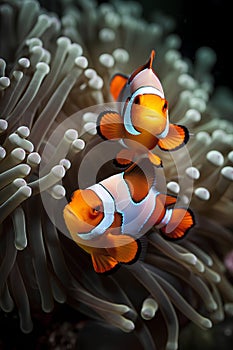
151,59
117,83
141,68
139,178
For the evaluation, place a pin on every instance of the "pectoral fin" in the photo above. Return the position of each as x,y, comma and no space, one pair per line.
125,249
103,263
176,138
121,249
110,125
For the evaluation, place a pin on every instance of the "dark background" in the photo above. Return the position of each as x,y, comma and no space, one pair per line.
202,23
199,23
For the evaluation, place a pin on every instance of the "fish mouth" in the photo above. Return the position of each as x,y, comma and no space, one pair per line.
153,113
150,115
153,124
155,116
74,223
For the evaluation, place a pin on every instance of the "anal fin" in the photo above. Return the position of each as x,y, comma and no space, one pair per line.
155,160
125,157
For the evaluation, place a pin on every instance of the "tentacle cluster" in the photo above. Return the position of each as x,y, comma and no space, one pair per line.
53,67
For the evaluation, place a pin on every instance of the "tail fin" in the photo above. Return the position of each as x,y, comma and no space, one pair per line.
180,222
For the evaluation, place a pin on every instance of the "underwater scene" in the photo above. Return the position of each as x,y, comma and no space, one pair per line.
116,175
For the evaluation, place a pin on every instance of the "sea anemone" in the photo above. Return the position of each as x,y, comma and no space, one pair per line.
54,69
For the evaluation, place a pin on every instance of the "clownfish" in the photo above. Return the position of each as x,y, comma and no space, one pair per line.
143,117
109,218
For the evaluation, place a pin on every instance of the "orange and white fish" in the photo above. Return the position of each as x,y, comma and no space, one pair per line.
143,116
108,219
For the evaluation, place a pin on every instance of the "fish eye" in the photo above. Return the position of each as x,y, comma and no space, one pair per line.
96,210
137,100
165,105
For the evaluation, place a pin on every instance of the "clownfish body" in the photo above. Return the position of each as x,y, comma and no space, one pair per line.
108,218
143,117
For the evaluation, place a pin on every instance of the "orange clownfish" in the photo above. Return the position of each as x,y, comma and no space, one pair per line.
143,116
108,218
